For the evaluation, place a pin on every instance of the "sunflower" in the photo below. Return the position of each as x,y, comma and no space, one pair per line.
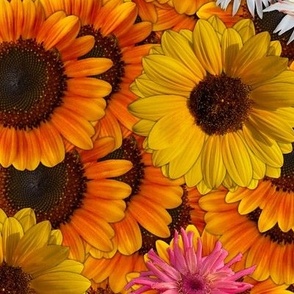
164,16
110,273
116,34
77,195
32,259
271,250
47,97
116,277
275,196
182,267
215,108
148,205
266,287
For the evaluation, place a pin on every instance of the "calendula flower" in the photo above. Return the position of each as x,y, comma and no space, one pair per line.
181,267
47,97
32,259
218,111
116,33
78,196
241,233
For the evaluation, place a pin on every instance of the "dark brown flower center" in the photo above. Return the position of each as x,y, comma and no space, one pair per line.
275,233
285,182
53,192
129,150
291,288
220,104
106,290
32,83
108,47
14,280
180,218
268,23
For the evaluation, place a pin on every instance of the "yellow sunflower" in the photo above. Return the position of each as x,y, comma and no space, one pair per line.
47,97
116,34
149,205
275,196
78,196
271,250
215,108
32,259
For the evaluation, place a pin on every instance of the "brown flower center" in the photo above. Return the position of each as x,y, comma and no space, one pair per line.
108,47
32,83
220,104
268,23
275,233
14,280
180,218
106,290
285,182
53,192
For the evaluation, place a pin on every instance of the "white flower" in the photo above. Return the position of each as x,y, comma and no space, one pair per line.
287,22
251,4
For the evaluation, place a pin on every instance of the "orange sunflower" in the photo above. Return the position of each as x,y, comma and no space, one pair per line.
77,195
112,273
148,205
164,16
47,97
116,33
274,196
271,250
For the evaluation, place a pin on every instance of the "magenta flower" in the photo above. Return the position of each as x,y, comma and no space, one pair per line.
188,271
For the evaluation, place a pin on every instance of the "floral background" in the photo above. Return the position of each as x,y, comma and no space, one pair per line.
146,146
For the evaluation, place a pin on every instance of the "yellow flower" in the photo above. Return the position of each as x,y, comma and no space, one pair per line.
32,259
215,106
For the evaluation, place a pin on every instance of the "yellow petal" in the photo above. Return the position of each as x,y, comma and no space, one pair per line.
207,47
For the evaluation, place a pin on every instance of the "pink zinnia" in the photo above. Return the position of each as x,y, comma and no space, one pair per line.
187,271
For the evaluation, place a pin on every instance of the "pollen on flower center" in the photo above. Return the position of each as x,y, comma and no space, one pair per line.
285,182
32,83
220,104
275,233
14,280
108,47
53,192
